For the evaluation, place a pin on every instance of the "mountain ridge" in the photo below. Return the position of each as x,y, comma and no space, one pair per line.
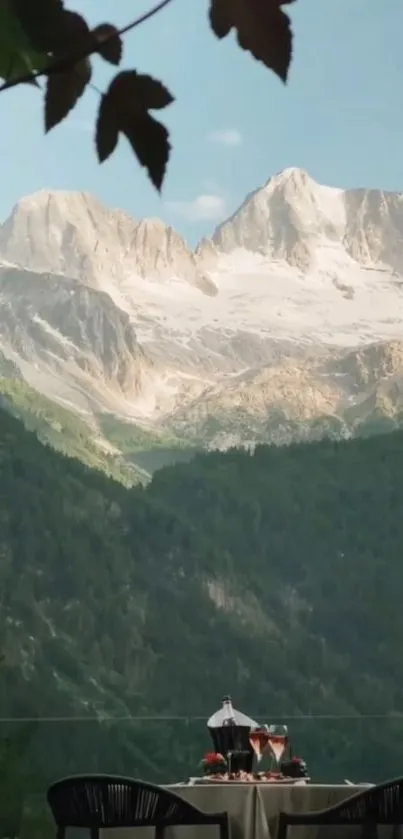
290,186
108,313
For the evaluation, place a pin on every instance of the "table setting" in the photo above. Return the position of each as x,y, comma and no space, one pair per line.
251,774
248,752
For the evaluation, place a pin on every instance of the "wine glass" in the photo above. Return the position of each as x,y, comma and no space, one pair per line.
259,739
277,737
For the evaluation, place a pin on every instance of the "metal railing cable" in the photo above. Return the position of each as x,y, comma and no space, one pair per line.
391,716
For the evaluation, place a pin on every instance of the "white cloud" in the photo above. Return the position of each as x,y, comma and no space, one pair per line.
203,208
226,136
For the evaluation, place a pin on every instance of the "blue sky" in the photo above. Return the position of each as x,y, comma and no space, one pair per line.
233,123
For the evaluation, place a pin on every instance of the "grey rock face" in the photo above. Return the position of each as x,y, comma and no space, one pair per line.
237,337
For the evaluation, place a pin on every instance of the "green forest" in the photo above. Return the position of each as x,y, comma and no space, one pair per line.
275,576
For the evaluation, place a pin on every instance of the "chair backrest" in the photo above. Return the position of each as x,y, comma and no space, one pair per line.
114,801
381,804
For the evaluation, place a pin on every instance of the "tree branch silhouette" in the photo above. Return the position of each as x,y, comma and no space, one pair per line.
59,44
61,64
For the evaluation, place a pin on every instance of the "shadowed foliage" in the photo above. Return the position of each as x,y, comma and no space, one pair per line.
43,38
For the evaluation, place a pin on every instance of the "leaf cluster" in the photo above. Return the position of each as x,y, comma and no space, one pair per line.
43,38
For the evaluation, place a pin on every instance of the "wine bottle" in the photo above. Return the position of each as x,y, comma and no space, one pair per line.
228,711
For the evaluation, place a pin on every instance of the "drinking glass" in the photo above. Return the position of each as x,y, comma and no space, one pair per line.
259,739
277,736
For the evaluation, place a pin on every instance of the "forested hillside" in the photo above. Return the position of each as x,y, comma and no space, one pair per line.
310,539
276,576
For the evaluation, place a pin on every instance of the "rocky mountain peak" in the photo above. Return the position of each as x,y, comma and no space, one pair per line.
67,233
297,313
285,219
293,176
162,252
295,219
75,235
374,227
60,207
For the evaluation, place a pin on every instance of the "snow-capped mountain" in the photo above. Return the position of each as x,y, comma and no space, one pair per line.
294,218
74,234
104,312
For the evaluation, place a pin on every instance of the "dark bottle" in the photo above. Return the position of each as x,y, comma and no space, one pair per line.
228,712
229,730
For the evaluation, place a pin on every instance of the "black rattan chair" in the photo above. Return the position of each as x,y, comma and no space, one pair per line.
378,805
102,801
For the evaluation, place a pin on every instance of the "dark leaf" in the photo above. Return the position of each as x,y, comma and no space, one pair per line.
63,90
262,28
144,92
110,45
149,140
52,28
106,131
125,109
17,57
39,20
73,37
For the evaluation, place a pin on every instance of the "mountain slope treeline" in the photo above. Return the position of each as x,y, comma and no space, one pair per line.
312,536
276,576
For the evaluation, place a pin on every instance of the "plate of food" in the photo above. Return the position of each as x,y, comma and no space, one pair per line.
248,778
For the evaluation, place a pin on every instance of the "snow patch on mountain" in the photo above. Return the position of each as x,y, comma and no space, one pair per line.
121,314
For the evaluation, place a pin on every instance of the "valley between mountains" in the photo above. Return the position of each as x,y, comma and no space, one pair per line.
275,573
123,347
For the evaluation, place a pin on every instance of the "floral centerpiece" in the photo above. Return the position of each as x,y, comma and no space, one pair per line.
214,763
294,768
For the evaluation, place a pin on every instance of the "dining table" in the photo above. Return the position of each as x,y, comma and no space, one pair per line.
253,809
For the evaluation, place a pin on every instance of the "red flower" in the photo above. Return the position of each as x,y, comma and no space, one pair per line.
210,758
